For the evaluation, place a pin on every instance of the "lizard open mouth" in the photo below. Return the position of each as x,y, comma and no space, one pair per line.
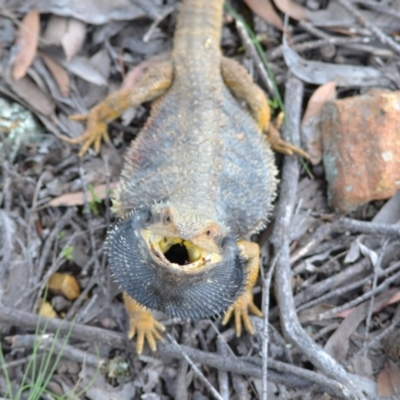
177,252
173,275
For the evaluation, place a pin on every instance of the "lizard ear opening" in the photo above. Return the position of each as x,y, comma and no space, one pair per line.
202,293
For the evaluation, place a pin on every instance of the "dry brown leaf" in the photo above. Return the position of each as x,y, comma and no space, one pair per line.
390,212
64,284
394,298
293,9
388,382
27,41
384,386
265,10
67,32
311,138
319,73
55,30
59,74
82,67
317,100
76,199
47,310
338,344
38,101
73,37
95,12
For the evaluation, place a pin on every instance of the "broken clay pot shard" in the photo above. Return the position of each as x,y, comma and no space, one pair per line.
361,142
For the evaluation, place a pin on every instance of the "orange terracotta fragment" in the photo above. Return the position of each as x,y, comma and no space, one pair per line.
361,142
64,284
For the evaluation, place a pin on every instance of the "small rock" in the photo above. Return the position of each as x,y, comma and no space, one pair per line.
361,143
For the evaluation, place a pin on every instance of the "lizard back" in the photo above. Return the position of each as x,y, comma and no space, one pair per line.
200,149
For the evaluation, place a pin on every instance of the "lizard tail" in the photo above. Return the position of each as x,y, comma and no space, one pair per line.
199,26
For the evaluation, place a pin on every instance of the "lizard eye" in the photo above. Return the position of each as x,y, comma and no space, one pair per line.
208,233
167,219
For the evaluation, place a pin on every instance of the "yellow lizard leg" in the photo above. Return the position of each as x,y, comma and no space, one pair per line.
244,304
242,86
143,324
154,82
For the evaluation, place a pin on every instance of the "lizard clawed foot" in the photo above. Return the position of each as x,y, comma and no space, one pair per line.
145,326
280,146
241,309
96,131
142,324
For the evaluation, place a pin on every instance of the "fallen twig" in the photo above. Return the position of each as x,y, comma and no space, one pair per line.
293,377
280,241
355,226
383,38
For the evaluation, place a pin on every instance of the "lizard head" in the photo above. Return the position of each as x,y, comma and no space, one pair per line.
180,263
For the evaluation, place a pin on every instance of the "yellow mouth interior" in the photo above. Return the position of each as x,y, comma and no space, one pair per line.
176,249
178,252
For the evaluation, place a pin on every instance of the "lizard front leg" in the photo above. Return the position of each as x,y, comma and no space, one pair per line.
242,86
154,82
244,304
143,324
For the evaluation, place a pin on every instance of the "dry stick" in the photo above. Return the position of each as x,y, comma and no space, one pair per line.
156,22
107,199
223,377
293,377
55,265
383,38
322,233
387,331
332,282
249,46
377,269
355,226
7,187
280,242
64,220
89,218
49,241
84,294
344,289
324,331
327,284
351,43
196,370
181,392
381,8
240,385
46,342
265,334
344,224
382,287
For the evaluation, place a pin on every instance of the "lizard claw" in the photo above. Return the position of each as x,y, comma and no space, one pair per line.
142,324
241,309
96,131
145,326
280,146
